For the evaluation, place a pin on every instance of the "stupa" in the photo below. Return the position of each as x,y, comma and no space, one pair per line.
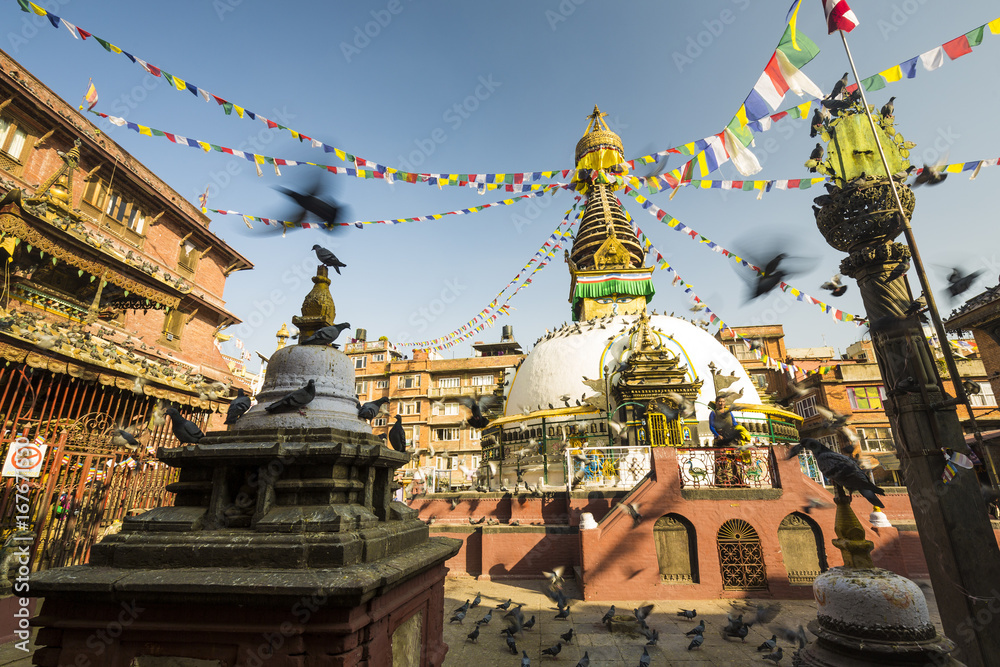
283,545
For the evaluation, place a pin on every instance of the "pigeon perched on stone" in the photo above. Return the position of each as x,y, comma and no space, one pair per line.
122,438
458,616
567,636
369,410
237,407
768,645
696,642
697,630
553,651
840,469
504,605
776,656
474,635
185,430
530,623
464,607
525,660
585,660
512,645
326,335
397,436
644,658
478,598
296,400
609,615
328,258
688,613
485,620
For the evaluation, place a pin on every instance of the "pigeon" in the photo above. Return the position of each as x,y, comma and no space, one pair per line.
688,613
696,642
585,660
464,607
369,410
930,176
739,633
888,108
237,407
816,504
296,400
818,117
504,605
770,276
762,613
697,630
328,258
642,613
326,335
836,287
554,651
478,405
776,656
609,615
122,438
311,202
530,623
684,405
474,635
476,600
838,88
840,469
793,636
458,616
769,645
525,660
512,645
185,430
644,659
814,158
567,636
397,436
958,283
653,636
485,620
563,613
633,511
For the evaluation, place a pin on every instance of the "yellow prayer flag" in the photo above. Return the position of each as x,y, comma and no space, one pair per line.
741,115
38,10
893,74
955,168
994,26
259,159
145,130
205,145
804,108
340,154
689,148
702,165
179,83
705,185
117,50
239,110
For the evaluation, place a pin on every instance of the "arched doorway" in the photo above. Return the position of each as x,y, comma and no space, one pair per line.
801,548
740,557
676,550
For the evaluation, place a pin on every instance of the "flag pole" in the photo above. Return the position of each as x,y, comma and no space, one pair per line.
960,393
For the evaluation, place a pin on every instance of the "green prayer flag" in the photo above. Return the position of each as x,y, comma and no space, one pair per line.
876,82
24,6
168,77
740,131
975,37
808,49
157,133
227,107
106,45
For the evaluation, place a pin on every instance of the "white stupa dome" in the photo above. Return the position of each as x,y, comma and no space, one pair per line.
555,367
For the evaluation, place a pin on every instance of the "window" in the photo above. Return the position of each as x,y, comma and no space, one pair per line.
13,138
360,362
409,381
187,258
482,380
806,408
985,396
119,213
381,384
866,398
448,383
876,439
379,421
378,357
412,434
475,434
409,408
759,380
446,434
173,326
452,463
741,351
438,408
361,388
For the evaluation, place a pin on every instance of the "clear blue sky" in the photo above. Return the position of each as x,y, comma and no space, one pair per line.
547,63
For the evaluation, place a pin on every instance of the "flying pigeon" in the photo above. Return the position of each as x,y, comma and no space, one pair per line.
328,258
237,407
958,283
185,430
930,176
840,469
836,287
369,410
326,335
296,400
397,436
478,406
770,276
122,438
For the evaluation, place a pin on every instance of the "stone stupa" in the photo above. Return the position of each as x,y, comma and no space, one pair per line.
283,545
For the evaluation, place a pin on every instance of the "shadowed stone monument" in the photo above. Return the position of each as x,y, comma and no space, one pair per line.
283,545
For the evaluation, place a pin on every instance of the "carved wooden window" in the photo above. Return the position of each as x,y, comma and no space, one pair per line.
187,259
115,210
173,327
14,144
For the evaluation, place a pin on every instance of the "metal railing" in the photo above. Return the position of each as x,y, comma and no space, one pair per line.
618,467
726,467
471,390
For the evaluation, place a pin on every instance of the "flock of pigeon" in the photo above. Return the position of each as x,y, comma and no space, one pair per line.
737,627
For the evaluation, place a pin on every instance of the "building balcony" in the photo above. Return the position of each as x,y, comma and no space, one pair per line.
726,468
472,390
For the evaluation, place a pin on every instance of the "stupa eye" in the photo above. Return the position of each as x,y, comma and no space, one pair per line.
624,299
604,299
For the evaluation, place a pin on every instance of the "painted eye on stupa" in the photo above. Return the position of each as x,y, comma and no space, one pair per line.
605,299
624,299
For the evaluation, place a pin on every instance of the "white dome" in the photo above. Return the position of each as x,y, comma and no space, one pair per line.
556,367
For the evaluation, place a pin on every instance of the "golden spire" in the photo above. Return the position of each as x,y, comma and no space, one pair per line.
282,335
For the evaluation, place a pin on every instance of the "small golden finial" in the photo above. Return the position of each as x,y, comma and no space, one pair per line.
282,335
851,534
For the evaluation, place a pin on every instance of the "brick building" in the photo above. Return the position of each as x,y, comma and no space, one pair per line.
111,303
425,391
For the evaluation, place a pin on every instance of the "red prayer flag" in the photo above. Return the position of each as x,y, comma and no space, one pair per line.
839,16
957,47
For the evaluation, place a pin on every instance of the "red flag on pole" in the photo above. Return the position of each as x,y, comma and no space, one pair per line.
839,16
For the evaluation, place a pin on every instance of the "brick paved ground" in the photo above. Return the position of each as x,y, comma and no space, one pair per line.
605,648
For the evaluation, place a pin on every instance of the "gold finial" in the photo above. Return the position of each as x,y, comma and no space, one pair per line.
851,534
597,121
282,335
318,310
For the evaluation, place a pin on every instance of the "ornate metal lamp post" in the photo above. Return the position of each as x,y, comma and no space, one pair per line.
861,216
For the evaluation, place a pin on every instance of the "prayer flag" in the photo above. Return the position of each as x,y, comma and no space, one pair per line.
839,16
90,97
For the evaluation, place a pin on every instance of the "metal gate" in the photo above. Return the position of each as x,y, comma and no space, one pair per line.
740,557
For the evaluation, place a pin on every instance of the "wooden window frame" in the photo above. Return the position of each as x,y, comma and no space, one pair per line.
30,135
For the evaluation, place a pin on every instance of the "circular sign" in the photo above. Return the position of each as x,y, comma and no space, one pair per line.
27,457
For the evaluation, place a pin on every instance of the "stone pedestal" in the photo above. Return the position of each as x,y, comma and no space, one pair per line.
283,546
